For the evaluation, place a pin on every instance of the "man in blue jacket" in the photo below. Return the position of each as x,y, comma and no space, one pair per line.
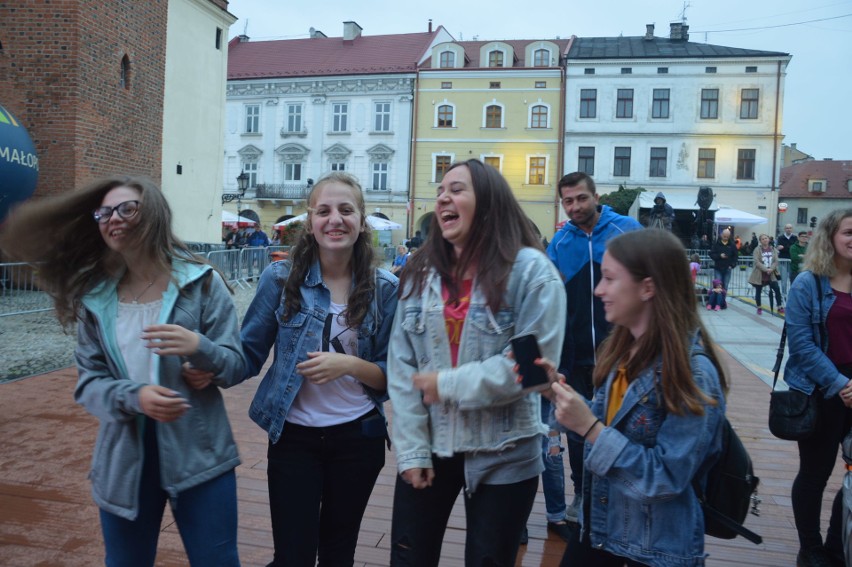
577,250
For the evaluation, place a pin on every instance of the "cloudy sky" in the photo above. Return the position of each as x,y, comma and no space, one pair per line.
817,33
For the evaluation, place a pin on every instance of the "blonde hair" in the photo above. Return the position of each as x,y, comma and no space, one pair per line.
819,257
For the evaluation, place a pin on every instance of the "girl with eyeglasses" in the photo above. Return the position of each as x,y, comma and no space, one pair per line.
145,306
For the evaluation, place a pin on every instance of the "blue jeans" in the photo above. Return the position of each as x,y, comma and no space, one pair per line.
724,275
495,515
320,480
553,477
206,516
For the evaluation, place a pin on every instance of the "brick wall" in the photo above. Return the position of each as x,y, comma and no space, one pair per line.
60,74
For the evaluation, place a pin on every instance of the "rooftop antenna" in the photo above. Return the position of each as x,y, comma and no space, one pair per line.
686,5
245,28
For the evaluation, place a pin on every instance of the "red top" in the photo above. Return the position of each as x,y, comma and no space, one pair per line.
454,316
839,327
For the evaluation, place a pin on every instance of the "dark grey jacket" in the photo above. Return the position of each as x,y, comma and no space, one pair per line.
193,449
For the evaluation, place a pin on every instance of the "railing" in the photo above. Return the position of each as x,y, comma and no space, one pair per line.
290,191
19,291
738,286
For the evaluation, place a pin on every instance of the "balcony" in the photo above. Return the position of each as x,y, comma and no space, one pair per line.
285,133
295,191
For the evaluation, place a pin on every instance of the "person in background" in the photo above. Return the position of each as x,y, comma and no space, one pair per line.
231,238
654,423
577,250
819,328
725,255
705,243
461,421
716,299
694,266
416,241
797,254
662,213
765,273
400,260
783,244
145,306
327,314
257,238
276,238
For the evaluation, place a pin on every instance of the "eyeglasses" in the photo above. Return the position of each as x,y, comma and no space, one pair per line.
126,210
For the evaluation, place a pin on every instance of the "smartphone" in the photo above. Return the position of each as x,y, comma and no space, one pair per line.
526,351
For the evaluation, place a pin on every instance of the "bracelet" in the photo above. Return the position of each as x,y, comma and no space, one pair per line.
597,421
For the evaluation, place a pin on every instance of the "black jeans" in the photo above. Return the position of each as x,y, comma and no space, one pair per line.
581,554
581,380
773,288
320,479
495,514
817,458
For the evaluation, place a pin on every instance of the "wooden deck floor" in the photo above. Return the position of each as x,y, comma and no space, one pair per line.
47,517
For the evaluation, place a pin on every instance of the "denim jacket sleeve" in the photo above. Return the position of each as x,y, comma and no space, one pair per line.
260,325
664,470
385,302
537,298
805,311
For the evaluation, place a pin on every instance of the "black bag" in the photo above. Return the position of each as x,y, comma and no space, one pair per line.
793,415
731,490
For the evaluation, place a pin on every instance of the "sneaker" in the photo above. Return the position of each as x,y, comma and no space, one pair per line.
759,311
572,514
814,557
709,307
525,536
562,529
718,308
781,310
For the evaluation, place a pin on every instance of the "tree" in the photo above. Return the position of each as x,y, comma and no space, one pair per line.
621,200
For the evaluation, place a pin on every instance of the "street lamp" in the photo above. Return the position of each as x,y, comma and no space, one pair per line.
242,185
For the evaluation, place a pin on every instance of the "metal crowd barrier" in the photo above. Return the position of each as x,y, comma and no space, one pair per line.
19,291
738,286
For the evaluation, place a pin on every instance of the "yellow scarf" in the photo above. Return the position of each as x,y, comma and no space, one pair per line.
616,394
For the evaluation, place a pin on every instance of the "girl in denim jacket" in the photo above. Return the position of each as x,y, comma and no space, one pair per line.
461,421
654,420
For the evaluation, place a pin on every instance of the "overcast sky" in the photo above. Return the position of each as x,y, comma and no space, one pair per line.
818,86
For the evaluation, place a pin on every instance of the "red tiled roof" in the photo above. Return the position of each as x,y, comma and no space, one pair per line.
397,53
472,48
837,173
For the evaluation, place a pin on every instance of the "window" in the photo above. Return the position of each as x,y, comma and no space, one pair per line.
537,170
124,78
751,69
218,42
495,58
541,58
589,71
745,164
816,185
709,69
586,160
250,169
662,70
541,84
493,161
442,164
624,104
588,103
538,116
493,116
252,118
660,107
494,85
292,172
658,162
340,117
447,59
446,85
706,163
749,102
802,216
445,116
709,103
294,117
621,165
338,166
380,176
626,70
382,122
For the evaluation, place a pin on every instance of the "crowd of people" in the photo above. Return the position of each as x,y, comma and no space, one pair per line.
635,385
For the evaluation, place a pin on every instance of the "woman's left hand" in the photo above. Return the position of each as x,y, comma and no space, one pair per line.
324,367
171,340
427,383
846,394
571,409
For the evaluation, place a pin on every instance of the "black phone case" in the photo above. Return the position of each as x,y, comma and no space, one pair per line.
526,351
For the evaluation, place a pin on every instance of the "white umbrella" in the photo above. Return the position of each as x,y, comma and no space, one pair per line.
376,223
232,219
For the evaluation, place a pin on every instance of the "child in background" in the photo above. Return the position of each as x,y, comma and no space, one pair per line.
694,266
716,298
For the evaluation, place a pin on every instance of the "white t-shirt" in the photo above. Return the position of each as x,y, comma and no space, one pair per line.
338,401
132,318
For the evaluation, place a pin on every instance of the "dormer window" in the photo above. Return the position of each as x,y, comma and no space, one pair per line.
541,58
817,185
447,60
495,58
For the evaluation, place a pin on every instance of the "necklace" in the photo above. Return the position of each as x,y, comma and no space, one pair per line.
147,287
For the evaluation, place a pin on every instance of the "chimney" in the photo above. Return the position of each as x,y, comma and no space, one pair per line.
313,32
649,31
243,38
793,145
351,30
430,25
679,32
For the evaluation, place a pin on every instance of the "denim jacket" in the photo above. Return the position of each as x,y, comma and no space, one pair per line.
264,325
638,491
809,367
482,408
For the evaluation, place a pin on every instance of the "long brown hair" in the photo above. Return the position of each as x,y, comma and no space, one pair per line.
658,255
306,251
72,257
819,258
501,229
